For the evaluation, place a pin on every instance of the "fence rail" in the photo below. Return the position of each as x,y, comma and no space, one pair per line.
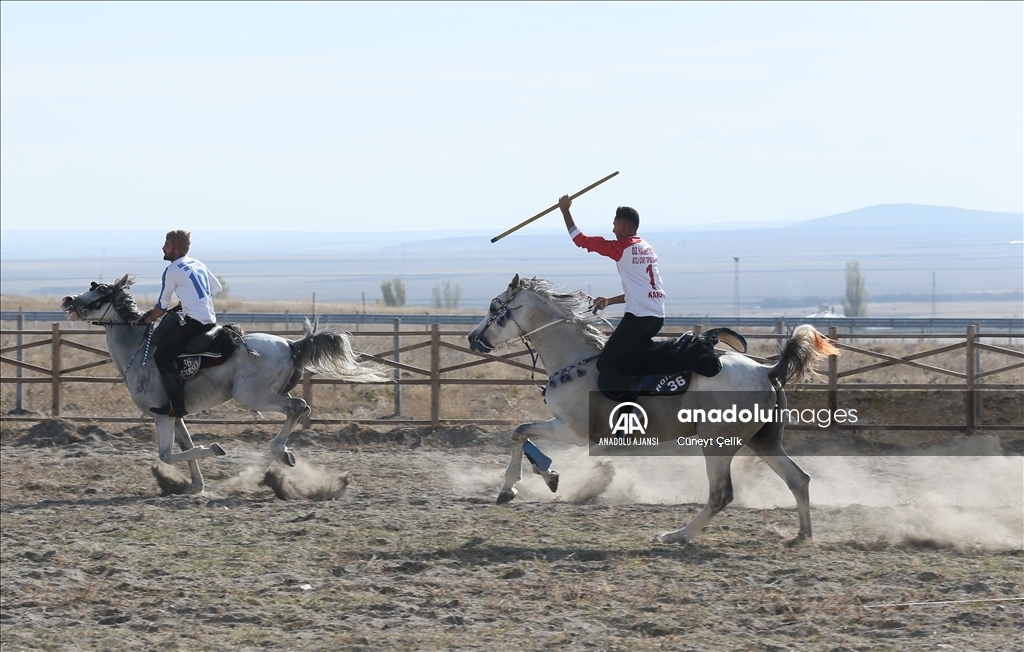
971,380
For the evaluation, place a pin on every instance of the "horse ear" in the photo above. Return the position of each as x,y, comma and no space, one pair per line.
122,282
92,286
515,283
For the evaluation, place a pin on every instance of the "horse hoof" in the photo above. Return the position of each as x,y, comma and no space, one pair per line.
552,481
799,539
668,538
507,495
217,450
288,458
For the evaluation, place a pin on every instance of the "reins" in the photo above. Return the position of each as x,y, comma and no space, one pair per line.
145,356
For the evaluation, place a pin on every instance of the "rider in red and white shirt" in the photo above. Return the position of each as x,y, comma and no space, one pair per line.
642,291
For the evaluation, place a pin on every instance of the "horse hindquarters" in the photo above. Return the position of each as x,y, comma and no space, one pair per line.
262,384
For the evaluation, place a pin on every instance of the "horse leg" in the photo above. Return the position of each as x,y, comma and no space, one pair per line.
165,437
514,472
550,430
293,409
768,444
184,439
719,495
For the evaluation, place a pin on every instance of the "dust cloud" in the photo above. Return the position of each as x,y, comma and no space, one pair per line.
304,481
964,496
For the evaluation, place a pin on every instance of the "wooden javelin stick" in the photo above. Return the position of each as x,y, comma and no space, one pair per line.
543,213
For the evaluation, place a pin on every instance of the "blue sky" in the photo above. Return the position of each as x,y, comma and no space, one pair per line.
402,117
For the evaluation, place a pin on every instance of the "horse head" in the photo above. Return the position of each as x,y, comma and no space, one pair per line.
499,325
96,302
529,306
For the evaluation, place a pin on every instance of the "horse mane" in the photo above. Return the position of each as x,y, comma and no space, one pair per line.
124,302
575,307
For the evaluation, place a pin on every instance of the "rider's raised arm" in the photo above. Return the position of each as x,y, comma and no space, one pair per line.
564,202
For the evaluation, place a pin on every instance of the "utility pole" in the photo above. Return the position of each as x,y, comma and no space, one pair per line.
736,291
933,295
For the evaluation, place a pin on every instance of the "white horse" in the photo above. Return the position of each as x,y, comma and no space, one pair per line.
561,328
258,375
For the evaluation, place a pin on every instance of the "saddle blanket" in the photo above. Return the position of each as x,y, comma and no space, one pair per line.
658,385
189,364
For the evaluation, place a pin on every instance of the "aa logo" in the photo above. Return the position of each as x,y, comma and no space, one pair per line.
629,422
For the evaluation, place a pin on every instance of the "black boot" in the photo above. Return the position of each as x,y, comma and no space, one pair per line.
175,389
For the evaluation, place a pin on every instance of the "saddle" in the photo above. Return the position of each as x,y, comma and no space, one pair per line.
665,368
209,349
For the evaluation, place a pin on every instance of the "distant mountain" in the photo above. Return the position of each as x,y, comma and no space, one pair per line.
914,226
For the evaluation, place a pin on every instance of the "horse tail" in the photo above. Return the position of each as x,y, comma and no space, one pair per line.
330,354
805,348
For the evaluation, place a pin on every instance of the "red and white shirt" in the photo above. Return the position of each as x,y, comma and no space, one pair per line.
638,268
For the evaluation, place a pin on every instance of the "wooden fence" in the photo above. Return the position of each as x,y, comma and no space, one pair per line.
971,380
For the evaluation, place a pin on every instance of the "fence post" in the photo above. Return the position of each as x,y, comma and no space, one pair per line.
307,396
19,392
833,373
55,371
977,372
398,372
435,374
970,397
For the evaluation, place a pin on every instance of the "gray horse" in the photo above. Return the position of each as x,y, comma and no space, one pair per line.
258,375
561,327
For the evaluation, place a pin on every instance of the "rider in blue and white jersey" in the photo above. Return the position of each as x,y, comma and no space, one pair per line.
194,285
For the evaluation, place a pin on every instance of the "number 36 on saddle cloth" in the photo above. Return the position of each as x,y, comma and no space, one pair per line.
665,368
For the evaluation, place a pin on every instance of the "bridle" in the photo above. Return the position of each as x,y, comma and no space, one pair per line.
101,322
110,298
502,314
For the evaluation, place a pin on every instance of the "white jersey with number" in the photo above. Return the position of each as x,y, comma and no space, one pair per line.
638,268
194,284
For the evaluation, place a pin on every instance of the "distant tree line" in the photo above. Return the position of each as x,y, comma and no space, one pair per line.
445,294
394,292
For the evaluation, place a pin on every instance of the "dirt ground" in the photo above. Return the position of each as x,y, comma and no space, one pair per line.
415,555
